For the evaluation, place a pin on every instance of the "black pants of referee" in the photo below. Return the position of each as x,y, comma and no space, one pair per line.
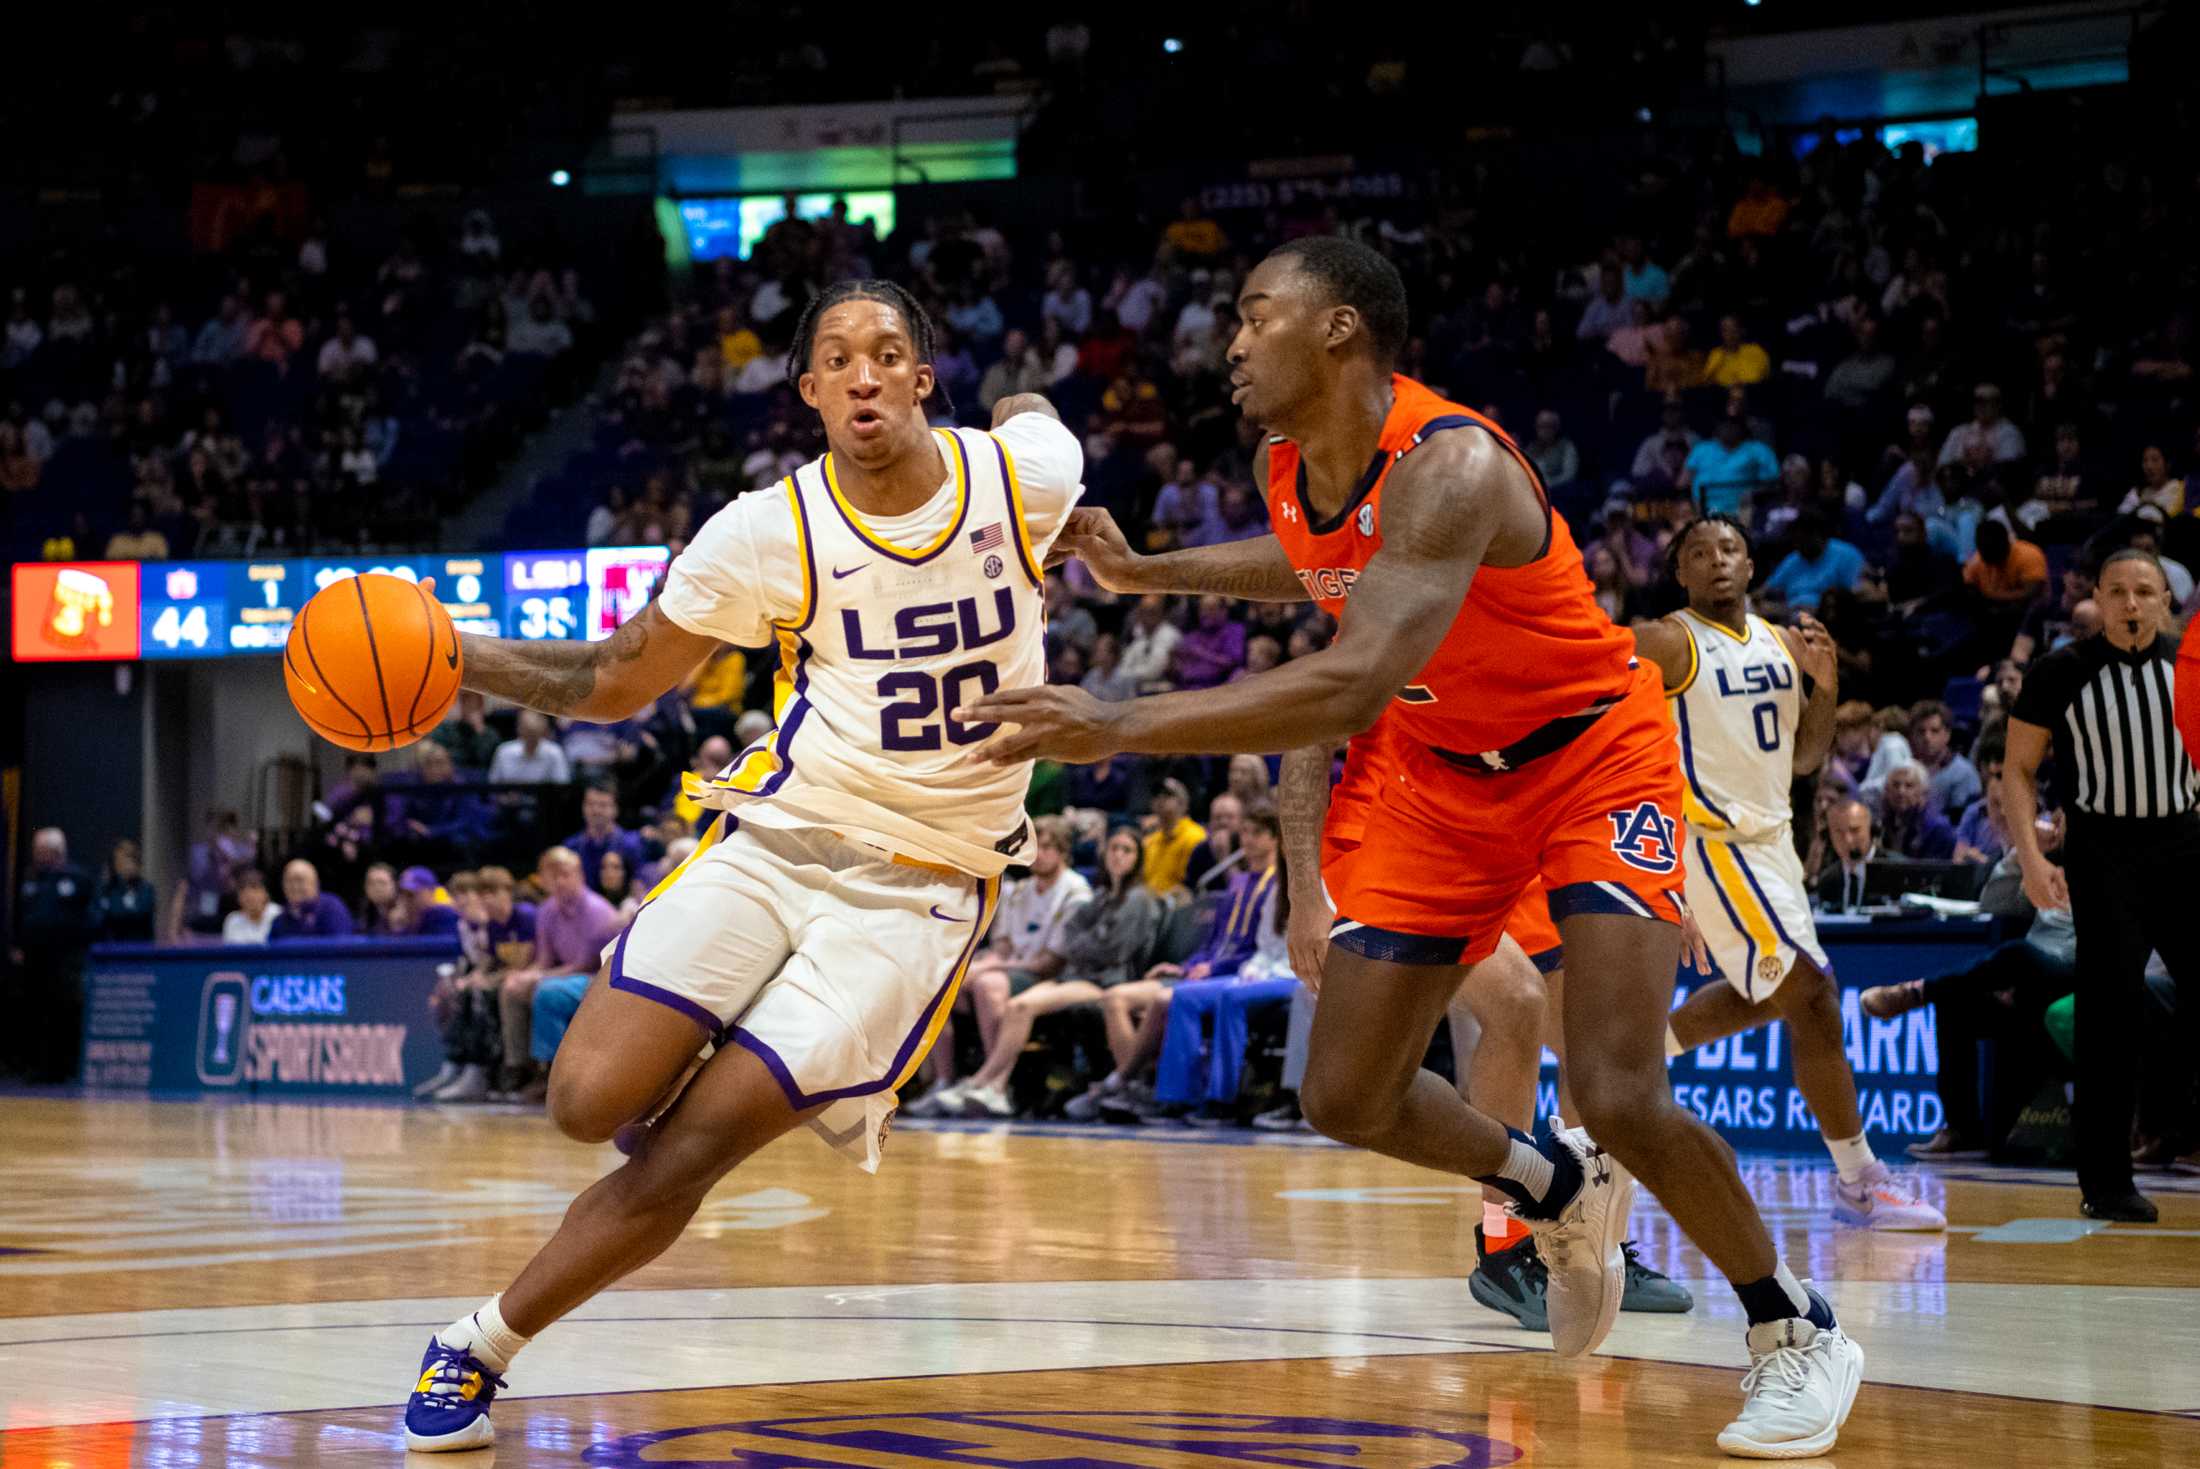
2131,894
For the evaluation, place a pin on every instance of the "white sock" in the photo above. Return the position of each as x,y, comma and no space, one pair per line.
1793,1287
1673,1046
1496,1223
484,1333
1528,1168
1851,1156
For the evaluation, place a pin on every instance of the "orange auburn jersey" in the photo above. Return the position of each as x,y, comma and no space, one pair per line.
1528,645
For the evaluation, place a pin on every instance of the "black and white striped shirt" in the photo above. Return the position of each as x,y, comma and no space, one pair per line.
2112,715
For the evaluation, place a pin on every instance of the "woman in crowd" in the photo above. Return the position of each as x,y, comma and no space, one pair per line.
617,885
126,899
1104,943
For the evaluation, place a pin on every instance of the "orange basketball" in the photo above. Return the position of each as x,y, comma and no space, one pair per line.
372,662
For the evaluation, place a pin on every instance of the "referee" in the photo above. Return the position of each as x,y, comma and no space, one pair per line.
2108,704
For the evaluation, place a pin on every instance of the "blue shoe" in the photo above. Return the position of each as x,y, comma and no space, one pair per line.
1649,1291
1512,1280
450,1404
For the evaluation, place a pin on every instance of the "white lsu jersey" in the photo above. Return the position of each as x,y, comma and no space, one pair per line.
885,626
1737,713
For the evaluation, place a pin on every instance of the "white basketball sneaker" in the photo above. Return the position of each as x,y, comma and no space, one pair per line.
1581,1248
1801,1384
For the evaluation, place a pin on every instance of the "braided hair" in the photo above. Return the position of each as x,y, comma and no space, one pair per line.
924,338
1679,542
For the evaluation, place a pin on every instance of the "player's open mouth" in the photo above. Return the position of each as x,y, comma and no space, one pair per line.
866,421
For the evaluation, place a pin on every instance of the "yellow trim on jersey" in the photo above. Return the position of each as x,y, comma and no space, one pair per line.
1016,507
989,892
710,839
802,554
1695,665
1698,818
1726,873
1739,637
954,522
1786,652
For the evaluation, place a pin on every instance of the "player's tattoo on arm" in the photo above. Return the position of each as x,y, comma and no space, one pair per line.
1252,571
1016,403
603,681
1302,806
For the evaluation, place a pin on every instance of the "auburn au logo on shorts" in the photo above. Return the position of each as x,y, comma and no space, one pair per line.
1643,837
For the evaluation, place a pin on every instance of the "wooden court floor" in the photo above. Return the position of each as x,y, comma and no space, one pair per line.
243,1284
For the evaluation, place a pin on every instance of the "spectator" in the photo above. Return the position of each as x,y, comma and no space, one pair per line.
1553,454
1980,835
1188,511
616,881
1174,835
1218,855
1642,279
1862,751
537,332
2003,440
221,340
1909,824
2064,500
1243,515
56,919
1608,310
2047,625
1723,474
2144,534
465,732
2155,486
2005,572
377,899
536,1003
1951,780
1067,304
1104,677
346,354
1020,369
1840,887
436,815
1673,432
1101,943
1193,236
600,833
1760,213
473,1034
139,542
1214,648
254,918
1862,378
1819,563
1148,655
308,913
275,336
1735,362
225,848
1023,948
532,759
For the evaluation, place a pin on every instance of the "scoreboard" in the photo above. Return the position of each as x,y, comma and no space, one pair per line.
121,610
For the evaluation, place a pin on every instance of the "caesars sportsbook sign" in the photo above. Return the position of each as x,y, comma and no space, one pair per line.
318,1018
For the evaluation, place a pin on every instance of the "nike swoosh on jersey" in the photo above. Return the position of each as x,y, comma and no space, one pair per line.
838,574
946,917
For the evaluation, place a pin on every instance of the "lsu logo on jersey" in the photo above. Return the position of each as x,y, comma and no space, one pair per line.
1643,837
1757,678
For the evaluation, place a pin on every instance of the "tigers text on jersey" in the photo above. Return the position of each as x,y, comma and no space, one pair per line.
883,627
1737,714
1529,643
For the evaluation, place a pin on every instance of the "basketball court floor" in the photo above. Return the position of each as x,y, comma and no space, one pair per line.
240,1284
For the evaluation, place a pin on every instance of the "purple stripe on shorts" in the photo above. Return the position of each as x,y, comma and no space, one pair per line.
710,1023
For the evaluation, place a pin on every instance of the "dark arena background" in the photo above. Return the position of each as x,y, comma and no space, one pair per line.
506,300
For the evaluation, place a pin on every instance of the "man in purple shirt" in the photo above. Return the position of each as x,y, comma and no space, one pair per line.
571,930
600,833
308,913
1214,648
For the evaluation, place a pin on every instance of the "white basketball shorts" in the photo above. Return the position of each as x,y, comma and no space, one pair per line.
835,964
1751,902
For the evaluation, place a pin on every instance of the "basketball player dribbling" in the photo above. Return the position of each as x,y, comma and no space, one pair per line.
817,936
1531,743
1754,705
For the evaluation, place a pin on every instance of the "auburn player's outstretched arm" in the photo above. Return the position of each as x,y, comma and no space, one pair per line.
1253,570
1441,508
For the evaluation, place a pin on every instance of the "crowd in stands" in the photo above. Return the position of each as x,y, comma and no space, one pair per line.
286,397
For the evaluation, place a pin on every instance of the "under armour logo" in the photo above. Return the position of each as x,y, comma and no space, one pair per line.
1290,511
1494,759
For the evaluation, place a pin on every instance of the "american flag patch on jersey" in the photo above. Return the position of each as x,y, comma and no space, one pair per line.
987,538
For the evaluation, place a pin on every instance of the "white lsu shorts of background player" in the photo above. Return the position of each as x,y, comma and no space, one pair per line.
1753,906
833,963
